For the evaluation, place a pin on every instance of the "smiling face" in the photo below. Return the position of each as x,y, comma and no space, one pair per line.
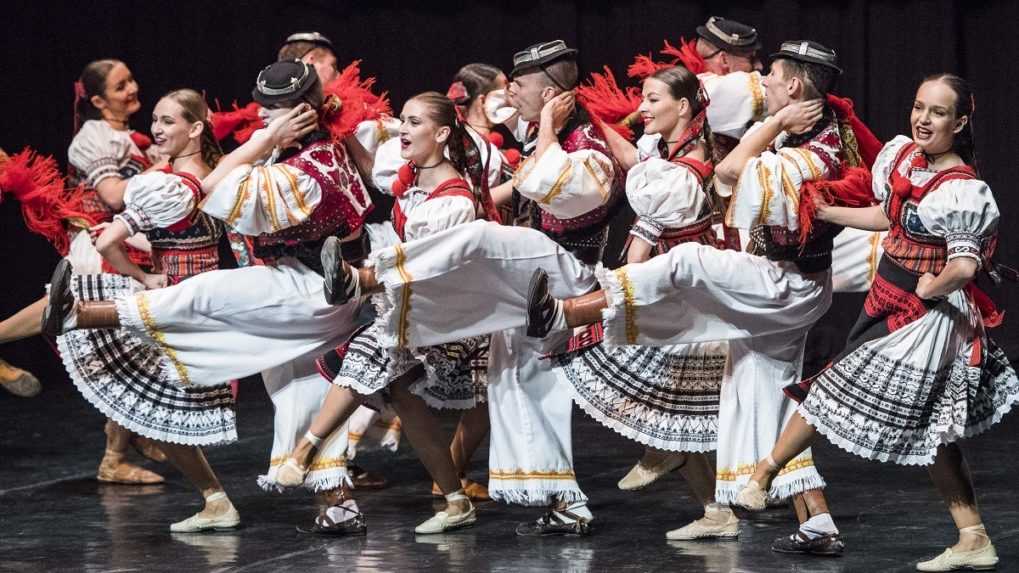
528,93
662,113
172,134
421,138
120,98
934,120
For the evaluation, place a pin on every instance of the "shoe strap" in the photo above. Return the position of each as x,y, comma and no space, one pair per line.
313,439
977,529
216,496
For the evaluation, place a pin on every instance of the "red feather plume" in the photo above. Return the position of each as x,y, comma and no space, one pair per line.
644,66
869,145
687,55
46,203
605,100
240,121
350,100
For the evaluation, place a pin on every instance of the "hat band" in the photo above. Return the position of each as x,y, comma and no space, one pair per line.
732,39
295,84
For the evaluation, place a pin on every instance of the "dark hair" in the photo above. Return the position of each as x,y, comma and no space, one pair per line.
564,71
92,82
195,109
815,77
683,83
297,50
963,143
478,79
442,111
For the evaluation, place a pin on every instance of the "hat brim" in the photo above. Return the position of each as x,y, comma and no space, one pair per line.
535,64
747,50
807,59
266,100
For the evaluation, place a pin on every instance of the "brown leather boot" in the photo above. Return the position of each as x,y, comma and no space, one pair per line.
584,309
100,314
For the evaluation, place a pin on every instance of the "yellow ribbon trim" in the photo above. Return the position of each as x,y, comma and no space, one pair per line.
764,179
601,182
242,198
317,465
401,260
525,475
302,204
557,187
757,95
815,173
150,326
629,308
728,474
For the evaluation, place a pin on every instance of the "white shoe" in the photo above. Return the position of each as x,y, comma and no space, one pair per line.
228,520
291,473
442,522
644,474
752,497
983,559
721,524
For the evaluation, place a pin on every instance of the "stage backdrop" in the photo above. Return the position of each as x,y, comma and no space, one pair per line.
219,47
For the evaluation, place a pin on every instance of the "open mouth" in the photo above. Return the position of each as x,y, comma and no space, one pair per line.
923,132
404,143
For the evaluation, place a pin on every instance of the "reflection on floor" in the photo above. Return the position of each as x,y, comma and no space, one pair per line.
55,516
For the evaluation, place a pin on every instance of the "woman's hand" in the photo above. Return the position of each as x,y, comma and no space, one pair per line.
152,281
800,116
287,129
821,207
923,286
96,230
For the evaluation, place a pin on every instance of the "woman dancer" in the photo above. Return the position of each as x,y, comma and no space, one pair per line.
104,154
431,195
919,371
665,398
113,369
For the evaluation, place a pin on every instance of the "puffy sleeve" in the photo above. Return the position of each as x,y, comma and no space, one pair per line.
387,164
647,146
372,134
567,185
664,195
964,212
98,151
768,189
883,166
156,200
737,99
258,199
438,214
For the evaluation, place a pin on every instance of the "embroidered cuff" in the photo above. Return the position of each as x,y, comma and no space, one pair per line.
102,169
647,230
136,221
963,245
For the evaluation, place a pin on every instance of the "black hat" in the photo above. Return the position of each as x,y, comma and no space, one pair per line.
541,54
283,82
730,35
311,38
809,52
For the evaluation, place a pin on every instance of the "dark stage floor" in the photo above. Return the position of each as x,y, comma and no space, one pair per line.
55,516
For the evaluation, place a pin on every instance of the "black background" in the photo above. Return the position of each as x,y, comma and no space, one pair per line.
885,48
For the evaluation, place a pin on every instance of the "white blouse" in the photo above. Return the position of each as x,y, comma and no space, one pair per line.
567,185
663,194
424,216
155,200
961,211
99,151
768,189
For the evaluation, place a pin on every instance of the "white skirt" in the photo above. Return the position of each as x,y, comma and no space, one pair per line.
228,324
763,309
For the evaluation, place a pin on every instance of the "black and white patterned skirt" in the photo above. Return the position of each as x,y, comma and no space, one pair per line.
122,377
450,375
663,397
898,397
